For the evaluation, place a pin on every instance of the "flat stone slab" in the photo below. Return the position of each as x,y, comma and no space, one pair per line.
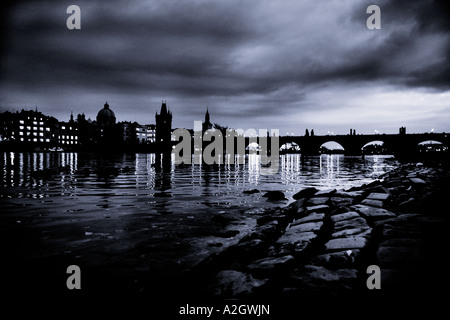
232,282
417,181
373,213
324,192
353,242
350,224
361,232
344,216
307,226
291,236
316,201
311,218
338,259
320,275
378,196
337,201
372,203
319,209
292,241
351,194
270,263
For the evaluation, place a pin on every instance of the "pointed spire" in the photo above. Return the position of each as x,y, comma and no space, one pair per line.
163,108
207,115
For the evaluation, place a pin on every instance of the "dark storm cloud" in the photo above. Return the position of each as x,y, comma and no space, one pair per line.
252,58
172,41
418,31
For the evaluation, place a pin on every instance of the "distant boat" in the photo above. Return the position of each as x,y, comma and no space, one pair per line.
54,149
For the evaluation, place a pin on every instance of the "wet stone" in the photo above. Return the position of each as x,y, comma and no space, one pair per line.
266,219
299,203
350,194
300,212
362,232
337,201
307,226
339,259
353,242
317,201
248,247
344,216
372,203
274,195
373,213
305,193
323,193
295,241
311,218
234,283
417,181
407,204
270,263
350,224
330,275
268,230
378,196
323,208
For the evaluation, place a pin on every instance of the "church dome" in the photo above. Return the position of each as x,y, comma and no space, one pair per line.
106,116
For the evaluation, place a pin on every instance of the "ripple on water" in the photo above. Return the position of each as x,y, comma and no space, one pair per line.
185,202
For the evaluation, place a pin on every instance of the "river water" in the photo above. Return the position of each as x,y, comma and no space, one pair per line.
41,175
91,206
134,182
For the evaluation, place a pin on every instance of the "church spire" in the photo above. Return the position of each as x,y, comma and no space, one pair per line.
163,108
207,115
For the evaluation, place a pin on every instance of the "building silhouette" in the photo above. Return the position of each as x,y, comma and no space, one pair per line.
206,125
163,128
106,117
33,131
28,129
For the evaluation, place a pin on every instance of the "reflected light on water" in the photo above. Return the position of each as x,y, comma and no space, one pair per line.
60,173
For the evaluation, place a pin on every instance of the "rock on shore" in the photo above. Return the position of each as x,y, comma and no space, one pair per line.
323,242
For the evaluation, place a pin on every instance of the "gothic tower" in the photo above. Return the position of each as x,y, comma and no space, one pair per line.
164,128
207,124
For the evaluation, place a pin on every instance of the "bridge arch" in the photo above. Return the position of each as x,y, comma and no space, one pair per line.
290,147
331,147
431,146
375,147
253,146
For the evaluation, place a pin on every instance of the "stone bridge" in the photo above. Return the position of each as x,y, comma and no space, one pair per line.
353,144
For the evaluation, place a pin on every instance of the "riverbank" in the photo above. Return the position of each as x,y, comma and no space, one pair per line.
319,247
314,251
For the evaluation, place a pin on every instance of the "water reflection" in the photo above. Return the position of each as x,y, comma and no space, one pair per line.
46,173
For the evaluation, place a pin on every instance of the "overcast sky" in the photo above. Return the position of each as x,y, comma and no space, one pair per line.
283,64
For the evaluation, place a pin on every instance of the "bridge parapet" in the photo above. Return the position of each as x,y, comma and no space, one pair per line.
353,144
